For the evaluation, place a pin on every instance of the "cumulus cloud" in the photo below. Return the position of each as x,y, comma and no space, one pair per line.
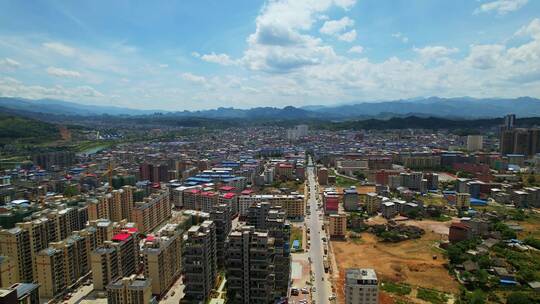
485,56
59,72
222,59
10,87
281,44
532,29
357,49
9,63
59,48
435,52
400,37
193,78
333,27
501,7
349,36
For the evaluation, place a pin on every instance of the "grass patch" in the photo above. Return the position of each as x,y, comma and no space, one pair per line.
297,234
432,296
435,200
345,182
441,218
400,289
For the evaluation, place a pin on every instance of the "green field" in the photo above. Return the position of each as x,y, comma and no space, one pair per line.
400,289
297,234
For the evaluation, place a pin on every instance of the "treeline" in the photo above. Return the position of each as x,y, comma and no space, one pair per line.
20,129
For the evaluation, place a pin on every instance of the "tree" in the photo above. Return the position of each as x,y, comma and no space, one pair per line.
477,297
360,175
531,180
517,298
454,254
71,190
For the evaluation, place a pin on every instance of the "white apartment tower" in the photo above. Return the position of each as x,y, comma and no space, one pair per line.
361,286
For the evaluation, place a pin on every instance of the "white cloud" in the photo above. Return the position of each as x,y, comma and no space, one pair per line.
334,27
193,78
485,56
502,7
281,44
435,52
222,59
59,48
400,37
10,87
349,36
59,72
357,49
532,29
345,4
9,63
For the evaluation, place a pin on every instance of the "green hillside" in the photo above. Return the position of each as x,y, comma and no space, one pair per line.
16,129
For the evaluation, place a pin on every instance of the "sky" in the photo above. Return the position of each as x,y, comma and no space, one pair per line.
202,54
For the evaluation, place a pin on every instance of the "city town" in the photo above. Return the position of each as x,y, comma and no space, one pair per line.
277,215
270,152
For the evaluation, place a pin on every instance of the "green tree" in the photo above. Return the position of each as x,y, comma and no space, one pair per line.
71,190
531,180
477,297
517,298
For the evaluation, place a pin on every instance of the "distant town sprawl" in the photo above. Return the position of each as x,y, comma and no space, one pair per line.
270,214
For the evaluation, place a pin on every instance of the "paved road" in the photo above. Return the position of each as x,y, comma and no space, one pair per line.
316,249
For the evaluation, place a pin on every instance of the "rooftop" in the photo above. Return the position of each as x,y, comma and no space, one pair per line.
121,237
353,275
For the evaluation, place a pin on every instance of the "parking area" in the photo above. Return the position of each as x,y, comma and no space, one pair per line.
300,275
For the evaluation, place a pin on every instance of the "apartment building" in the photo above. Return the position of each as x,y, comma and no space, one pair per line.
99,207
51,272
230,199
191,199
222,217
104,230
153,211
293,205
121,204
250,277
351,199
337,225
130,290
199,261
9,273
20,293
373,203
272,220
116,258
361,286
15,243
322,176
63,263
208,200
162,257
422,161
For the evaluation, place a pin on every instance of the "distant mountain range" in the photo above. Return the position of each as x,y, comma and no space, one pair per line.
52,106
464,108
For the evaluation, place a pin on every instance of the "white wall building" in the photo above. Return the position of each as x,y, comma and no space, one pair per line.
361,286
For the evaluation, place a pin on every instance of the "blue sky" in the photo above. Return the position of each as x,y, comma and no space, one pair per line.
187,55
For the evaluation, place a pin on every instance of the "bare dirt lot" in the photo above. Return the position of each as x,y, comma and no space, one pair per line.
408,261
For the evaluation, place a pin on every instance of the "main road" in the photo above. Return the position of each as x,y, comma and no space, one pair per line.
316,248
